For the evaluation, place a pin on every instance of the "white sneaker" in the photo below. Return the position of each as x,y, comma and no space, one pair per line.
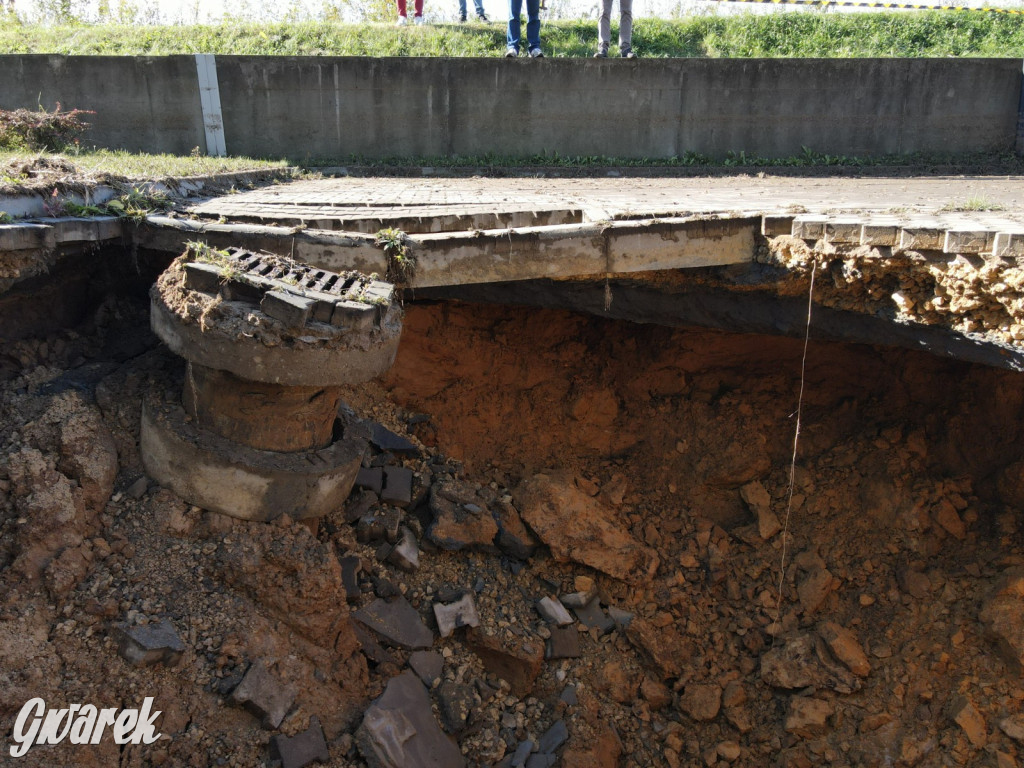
402,21
419,20
512,53
536,53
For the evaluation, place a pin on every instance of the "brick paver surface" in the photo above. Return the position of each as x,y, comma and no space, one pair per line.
933,199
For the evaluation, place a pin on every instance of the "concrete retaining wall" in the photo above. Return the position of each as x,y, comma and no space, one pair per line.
320,107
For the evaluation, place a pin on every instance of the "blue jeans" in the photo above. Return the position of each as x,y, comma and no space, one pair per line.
479,8
515,8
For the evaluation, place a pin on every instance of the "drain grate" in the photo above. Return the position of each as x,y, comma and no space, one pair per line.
289,291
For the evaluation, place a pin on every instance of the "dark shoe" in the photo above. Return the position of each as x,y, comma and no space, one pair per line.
536,53
481,17
462,19
628,54
512,53
602,53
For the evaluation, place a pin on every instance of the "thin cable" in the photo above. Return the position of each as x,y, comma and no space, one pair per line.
796,443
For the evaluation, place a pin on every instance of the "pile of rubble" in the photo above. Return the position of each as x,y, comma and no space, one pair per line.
594,584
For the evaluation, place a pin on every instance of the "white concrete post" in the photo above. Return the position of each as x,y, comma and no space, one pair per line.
209,98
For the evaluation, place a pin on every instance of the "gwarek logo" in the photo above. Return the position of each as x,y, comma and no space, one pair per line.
81,724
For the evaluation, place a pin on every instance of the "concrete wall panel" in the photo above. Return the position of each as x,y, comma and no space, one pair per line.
142,103
327,107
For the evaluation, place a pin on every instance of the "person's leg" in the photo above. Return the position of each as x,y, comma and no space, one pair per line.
604,26
532,24
625,26
401,8
479,8
515,9
418,5
462,9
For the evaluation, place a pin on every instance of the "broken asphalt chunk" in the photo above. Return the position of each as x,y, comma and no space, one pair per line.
264,695
399,730
397,622
150,644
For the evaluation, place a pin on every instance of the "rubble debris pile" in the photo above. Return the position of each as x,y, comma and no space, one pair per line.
561,548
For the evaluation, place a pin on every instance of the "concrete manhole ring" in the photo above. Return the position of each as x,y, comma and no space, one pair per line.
226,331
217,474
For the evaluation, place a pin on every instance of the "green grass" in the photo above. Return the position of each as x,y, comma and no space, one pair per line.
808,34
973,204
1009,163
141,166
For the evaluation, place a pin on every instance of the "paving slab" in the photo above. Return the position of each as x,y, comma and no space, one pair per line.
478,230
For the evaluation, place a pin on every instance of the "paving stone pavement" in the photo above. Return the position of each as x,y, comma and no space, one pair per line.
903,198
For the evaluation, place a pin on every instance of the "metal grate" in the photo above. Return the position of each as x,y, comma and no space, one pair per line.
337,299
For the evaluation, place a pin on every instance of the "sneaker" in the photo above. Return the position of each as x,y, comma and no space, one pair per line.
628,54
402,21
536,53
512,53
462,19
481,18
419,20
602,53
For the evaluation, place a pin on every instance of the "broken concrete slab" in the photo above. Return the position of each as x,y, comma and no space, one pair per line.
406,554
461,613
287,308
517,661
620,617
351,567
553,612
371,478
303,749
455,701
383,439
148,644
397,486
264,695
591,615
553,738
399,730
564,643
397,622
428,665
522,754
371,647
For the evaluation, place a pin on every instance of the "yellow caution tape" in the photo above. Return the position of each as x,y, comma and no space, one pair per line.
895,6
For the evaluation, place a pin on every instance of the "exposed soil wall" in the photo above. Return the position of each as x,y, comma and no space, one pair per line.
649,465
